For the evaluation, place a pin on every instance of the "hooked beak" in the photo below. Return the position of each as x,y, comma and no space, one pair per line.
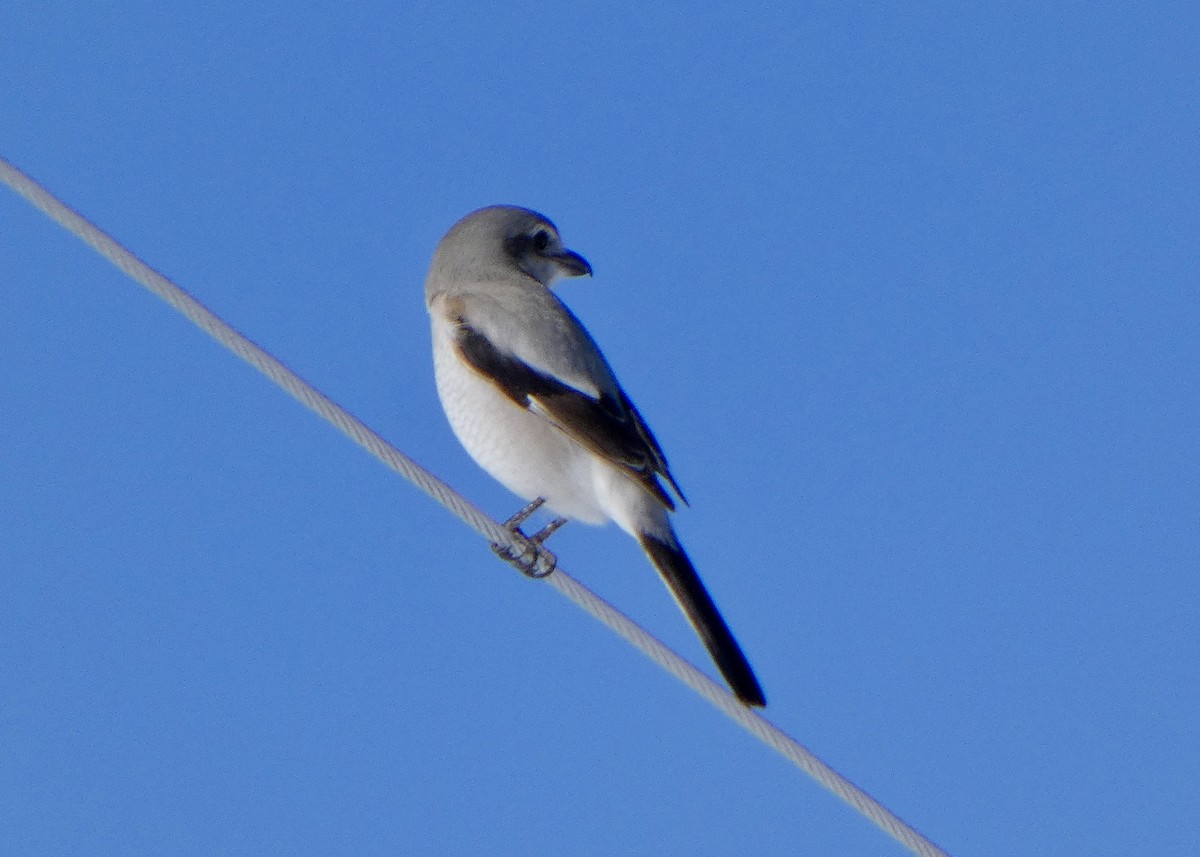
573,265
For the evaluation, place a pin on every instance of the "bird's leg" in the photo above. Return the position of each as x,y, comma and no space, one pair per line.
547,531
514,523
535,560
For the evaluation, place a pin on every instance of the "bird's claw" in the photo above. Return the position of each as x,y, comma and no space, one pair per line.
535,559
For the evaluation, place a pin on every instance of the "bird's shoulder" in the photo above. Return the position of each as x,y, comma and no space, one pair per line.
534,327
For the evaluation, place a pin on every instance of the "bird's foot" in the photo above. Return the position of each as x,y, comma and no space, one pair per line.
534,560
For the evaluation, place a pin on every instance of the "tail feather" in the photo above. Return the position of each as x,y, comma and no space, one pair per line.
687,587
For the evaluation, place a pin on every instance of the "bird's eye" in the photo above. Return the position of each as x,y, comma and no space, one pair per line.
540,240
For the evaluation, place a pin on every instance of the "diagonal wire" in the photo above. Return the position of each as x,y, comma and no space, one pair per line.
515,544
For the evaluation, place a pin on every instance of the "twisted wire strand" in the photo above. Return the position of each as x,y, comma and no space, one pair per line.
514,544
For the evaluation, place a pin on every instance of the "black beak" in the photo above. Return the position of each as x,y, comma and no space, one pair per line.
573,264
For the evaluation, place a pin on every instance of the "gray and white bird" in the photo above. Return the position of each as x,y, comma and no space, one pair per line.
534,402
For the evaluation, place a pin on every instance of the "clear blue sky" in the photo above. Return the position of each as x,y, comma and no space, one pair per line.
908,293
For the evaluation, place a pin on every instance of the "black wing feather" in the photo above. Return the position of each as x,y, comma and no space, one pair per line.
609,426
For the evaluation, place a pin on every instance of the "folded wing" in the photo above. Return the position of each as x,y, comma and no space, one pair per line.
610,426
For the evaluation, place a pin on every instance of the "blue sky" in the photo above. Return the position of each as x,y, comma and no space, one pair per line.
907,292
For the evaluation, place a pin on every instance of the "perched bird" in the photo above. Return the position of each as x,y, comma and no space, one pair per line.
534,402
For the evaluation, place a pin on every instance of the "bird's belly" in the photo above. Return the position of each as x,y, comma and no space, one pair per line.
522,451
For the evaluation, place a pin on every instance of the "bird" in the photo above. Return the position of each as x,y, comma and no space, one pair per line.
532,399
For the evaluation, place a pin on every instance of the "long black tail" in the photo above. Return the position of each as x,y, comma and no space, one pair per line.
685,584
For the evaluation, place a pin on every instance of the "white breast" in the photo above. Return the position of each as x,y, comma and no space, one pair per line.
522,451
